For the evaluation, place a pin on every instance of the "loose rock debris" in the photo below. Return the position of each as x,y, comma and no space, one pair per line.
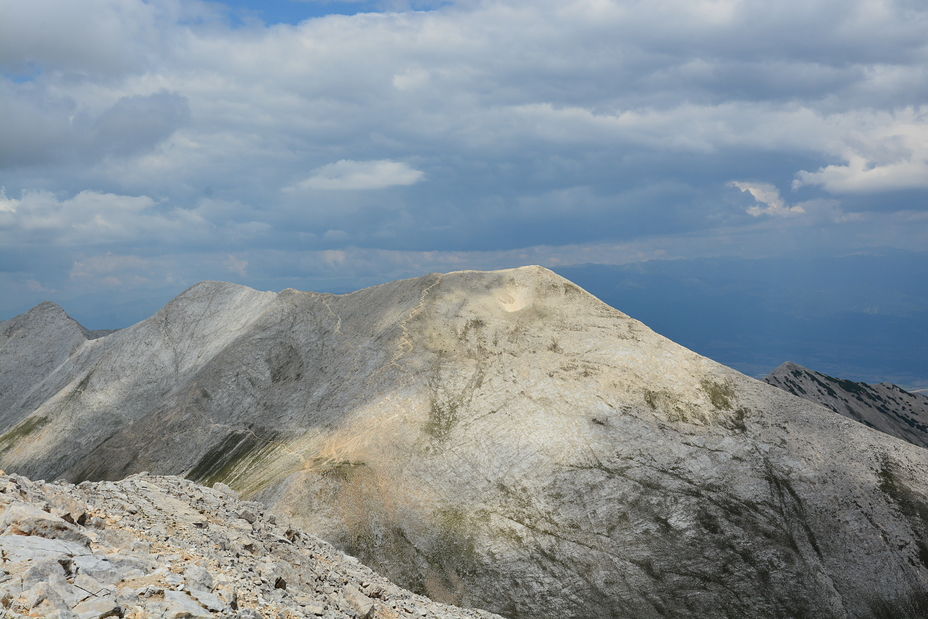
151,546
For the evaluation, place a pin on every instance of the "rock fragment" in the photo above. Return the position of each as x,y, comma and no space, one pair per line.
157,556
25,519
98,608
353,599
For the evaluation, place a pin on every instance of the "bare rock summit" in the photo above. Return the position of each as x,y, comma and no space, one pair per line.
500,440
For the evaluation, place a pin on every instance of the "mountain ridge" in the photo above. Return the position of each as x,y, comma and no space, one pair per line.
884,406
498,439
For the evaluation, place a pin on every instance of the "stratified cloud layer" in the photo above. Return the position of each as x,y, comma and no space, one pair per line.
191,140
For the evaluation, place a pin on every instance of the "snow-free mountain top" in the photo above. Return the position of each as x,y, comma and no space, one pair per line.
884,406
495,439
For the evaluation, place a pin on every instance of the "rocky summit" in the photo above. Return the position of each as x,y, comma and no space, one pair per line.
884,406
165,547
499,440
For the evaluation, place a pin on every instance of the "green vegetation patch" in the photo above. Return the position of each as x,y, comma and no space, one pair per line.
442,417
234,451
21,430
736,420
720,394
451,553
344,471
913,505
673,407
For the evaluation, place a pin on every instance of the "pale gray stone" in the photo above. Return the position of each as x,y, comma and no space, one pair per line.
25,548
23,519
502,439
179,605
248,516
351,598
198,577
207,600
97,568
68,592
174,579
92,587
42,570
97,608
226,490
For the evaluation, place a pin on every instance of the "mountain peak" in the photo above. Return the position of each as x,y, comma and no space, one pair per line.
884,406
496,439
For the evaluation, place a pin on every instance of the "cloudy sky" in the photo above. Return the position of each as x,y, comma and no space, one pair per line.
145,146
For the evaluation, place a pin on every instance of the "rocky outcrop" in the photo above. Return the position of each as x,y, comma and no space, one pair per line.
498,440
33,346
165,547
884,406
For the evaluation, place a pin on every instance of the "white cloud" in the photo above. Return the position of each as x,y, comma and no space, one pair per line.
92,218
535,123
7,205
769,195
93,35
237,266
883,150
862,176
347,174
336,235
36,286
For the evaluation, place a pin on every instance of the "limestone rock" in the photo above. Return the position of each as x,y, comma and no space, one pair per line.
884,407
499,440
183,573
353,599
23,519
97,608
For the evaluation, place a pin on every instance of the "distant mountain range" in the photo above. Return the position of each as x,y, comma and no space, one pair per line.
501,440
884,407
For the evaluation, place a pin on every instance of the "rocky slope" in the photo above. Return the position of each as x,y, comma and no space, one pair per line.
165,547
33,345
498,440
884,407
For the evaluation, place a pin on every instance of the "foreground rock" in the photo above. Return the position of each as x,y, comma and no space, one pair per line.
884,407
496,440
165,547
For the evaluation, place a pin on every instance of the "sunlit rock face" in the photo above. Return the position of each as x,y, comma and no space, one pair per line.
884,407
496,439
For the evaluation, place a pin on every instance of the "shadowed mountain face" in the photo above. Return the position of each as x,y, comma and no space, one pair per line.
501,440
883,407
